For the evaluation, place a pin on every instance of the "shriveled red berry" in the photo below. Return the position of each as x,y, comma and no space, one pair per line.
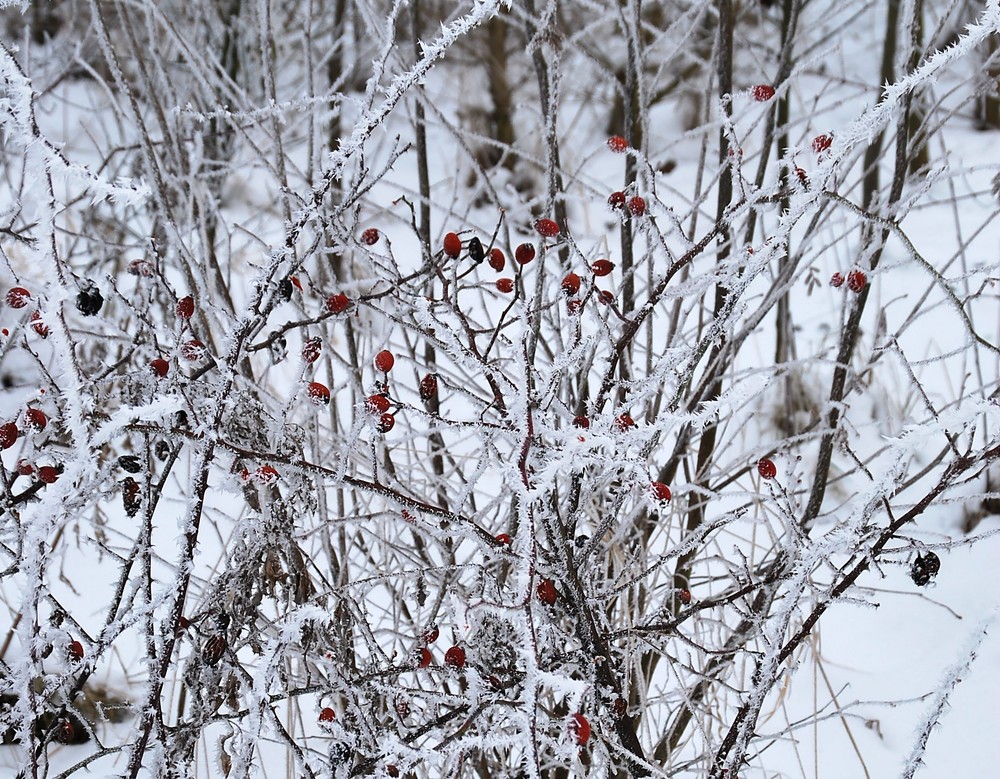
17,297
524,253
431,633
856,280
8,435
606,297
318,393
684,596
370,237
421,657
36,419
616,200
193,350
75,650
455,657
837,279
142,268
24,467
185,307
38,324
624,422
377,404
602,267
547,228
573,305
503,538
546,591
386,422
48,474
766,468
452,245
821,143
266,474
637,206
762,92
327,714
497,259
581,421
579,729
428,387
159,367
311,350
617,144
338,304
392,771
505,285
571,284
384,361
660,491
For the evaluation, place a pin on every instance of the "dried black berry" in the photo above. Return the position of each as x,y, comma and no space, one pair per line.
131,496
129,463
924,568
476,251
89,299
181,418
285,289
162,450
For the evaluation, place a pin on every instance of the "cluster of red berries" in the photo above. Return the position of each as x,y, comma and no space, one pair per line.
618,200
856,280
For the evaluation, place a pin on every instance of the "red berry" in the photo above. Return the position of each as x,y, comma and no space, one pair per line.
546,591
803,177
766,468
546,228
684,596
581,421
266,474
17,297
660,491
75,650
431,633
193,350
624,422
571,284
856,281
573,306
452,245
48,474
504,539
386,422
392,771
497,260
821,143
36,418
311,350
428,387
327,715
637,206
64,732
606,297
602,267
185,307
617,144
505,285
8,435
377,404
616,200
837,279
579,729
421,657
524,253
318,393
619,708
384,361
159,367
38,325
338,304
455,657
762,92
370,237
24,467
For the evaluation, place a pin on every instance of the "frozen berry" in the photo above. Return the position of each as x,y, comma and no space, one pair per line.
377,404
837,280
661,491
266,474
546,228
311,350
185,307
497,259
129,463
524,253
684,596
579,729
455,657
89,299
17,297
505,285
386,422
856,280
131,497
476,251
762,92
285,289
766,468
38,324
421,657
143,268
452,245
821,143
75,650
573,305
616,200
503,539
64,732
8,435
637,206
36,419
25,468
546,591
571,284
428,387
338,304
430,634
370,237
384,361
193,350
159,367
581,421
328,714
48,474
602,267
606,297
617,144
624,422
318,393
